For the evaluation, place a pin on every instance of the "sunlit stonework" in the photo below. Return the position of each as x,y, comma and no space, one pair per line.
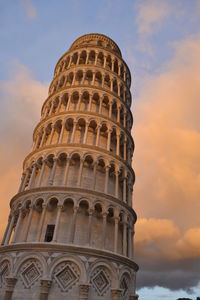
71,225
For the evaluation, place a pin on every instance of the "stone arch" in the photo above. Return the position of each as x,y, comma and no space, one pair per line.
6,267
125,283
26,257
102,276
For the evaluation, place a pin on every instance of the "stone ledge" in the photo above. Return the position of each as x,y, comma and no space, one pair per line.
72,249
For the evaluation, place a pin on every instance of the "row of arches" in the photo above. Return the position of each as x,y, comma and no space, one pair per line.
84,101
101,280
80,222
96,58
94,78
84,171
87,131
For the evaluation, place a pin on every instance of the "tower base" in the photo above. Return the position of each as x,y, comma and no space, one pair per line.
57,271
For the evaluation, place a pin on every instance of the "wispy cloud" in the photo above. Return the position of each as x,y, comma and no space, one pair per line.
29,8
21,100
167,164
150,15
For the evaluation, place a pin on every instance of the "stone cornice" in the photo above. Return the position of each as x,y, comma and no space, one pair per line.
72,249
96,36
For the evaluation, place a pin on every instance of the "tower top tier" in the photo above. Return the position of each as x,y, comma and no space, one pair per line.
96,39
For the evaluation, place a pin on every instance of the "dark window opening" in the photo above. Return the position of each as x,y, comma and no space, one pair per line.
49,233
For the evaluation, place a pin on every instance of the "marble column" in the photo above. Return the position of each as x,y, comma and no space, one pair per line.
116,234
52,133
106,179
118,142
40,228
28,223
6,231
32,176
86,61
125,141
53,171
124,190
110,109
90,226
90,102
62,132
10,230
130,243
73,228
118,113
104,230
68,102
97,136
43,138
109,139
25,179
94,174
57,223
41,174
125,236
73,132
86,133
22,182
80,172
64,183
19,220
117,184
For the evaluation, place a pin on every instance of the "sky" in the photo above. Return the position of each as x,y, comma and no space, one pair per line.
160,41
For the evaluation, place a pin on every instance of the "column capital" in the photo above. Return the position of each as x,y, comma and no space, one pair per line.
45,285
10,282
91,211
104,214
83,291
116,294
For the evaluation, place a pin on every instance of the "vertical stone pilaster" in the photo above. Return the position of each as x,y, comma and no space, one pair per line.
83,291
45,285
116,294
10,286
134,297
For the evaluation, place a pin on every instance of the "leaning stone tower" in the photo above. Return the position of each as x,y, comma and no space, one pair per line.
71,224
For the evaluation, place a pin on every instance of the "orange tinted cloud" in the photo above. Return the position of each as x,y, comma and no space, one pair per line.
21,100
167,164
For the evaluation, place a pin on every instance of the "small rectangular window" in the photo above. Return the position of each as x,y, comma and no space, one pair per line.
49,233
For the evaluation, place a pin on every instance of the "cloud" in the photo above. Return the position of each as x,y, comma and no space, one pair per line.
150,15
29,8
167,166
21,100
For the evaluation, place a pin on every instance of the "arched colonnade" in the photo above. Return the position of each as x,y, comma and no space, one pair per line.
105,227
86,131
95,102
84,171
